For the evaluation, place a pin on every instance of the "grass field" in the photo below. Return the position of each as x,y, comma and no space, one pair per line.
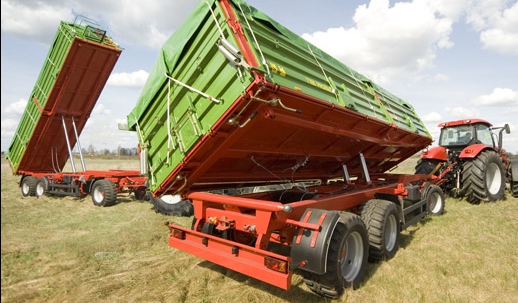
68,250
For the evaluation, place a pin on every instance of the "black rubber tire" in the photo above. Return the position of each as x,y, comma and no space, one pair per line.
346,259
182,208
104,193
483,178
382,220
42,187
426,166
435,198
514,188
141,194
28,186
513,184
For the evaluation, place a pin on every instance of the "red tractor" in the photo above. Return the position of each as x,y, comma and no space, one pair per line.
470,161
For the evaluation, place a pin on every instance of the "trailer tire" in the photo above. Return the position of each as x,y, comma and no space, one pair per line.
435,200
42,187
104,193
346,258
382,220
28,186
483,178
173,207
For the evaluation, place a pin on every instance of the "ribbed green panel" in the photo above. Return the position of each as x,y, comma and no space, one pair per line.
170,136
295,63
51,67
171,119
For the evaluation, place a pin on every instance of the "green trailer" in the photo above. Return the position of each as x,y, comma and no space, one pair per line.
282,151
77,66
214,74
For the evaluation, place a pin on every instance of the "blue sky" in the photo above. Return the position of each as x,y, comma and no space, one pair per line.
450,59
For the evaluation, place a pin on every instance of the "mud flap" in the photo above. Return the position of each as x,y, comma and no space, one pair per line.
309,247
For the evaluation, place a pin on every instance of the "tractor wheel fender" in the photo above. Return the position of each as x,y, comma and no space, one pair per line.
472,151
435,153
309,247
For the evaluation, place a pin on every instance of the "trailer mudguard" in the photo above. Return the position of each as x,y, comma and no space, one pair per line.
309,247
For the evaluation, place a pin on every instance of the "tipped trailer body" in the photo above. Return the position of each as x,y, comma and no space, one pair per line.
282,150
70,82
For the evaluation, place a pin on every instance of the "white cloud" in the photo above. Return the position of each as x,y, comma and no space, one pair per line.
134,79
462,112
441,78
16,108
9,127
499,96
129,22
100,109
432,117
497,23
390,41
37,21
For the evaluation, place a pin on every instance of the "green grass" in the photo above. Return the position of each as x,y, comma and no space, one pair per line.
68,250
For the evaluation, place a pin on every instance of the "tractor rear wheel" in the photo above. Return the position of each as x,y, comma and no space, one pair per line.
346,258
483,178
104,193
28,186
382,220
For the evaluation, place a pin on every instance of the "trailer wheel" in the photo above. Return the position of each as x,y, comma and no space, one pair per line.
382,220
172,206
104,193
483,178
346,258
435,198
42,187
28,186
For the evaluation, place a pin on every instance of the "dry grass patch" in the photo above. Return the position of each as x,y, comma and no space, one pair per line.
68,250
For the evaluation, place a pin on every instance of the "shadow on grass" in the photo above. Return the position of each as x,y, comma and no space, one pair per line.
296,294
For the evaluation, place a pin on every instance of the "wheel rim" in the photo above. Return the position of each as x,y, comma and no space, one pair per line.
39,190
435,203
98,194
493,179
352,256
390,233
25,188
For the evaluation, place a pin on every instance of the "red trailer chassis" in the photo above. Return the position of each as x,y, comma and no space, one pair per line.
268,237
103,186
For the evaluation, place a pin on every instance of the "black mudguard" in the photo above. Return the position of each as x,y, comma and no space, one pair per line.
309,247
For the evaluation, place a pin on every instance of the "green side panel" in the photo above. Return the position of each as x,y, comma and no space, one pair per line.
295,63
189,88
64,38
192,85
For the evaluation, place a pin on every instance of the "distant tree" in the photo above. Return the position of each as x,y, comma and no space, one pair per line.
91,150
